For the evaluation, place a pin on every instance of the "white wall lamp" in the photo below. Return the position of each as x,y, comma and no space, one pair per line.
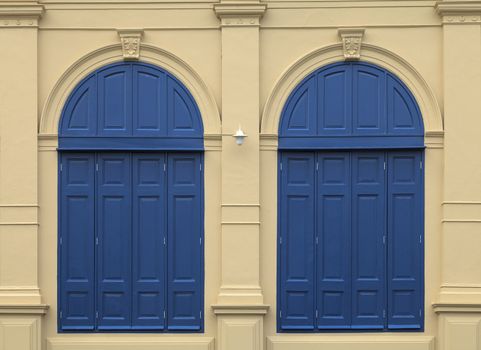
239,136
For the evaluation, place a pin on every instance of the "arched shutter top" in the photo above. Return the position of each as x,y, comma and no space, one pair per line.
131,105
351,105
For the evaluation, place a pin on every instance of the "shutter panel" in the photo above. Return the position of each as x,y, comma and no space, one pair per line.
76,253
114,235
80,111
334,247
115,101
300,112
149,232
369,100
405,230
149,101
297,235
368,248
185,227
334,101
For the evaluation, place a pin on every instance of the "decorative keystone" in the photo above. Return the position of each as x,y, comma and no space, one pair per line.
351,42
130,40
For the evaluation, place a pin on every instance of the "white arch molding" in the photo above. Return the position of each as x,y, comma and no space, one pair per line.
52,110
431,113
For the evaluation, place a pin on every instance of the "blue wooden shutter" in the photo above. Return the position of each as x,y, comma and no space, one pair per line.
368,100
297,241
334,102
79,116
300,112
184,234
77,242
149,101
114,240
405,232
334,241
115,101
149,233
368,241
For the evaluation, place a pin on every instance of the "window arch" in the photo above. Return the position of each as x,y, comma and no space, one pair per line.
351,105
350,203
130,105
130,154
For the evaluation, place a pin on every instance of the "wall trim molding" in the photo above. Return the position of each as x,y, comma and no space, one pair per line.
24,309
51,113
20,15
453,8
240,14
459,12
350,341
240,309
127,343
457,307
292,76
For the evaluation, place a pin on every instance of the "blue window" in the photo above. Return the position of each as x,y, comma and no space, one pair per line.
350,203
130,204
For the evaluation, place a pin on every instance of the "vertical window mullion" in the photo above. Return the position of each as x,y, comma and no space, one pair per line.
96,240
165,237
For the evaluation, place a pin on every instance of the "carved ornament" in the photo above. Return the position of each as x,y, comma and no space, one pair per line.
351,42
131,40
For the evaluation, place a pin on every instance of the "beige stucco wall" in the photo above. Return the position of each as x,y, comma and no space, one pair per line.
240,60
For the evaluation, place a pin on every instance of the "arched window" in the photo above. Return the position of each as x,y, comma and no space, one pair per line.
350,203
130,203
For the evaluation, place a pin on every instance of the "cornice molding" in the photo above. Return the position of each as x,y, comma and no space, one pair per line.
240,14
459,12
17,14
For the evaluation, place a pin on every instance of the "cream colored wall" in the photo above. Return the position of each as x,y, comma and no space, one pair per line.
240,61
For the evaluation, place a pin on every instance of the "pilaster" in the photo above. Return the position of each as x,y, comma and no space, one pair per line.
459,301
240,306
240,164
18,153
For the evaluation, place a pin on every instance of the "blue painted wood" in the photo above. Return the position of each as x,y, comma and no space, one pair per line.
130,105
405,237
366,256
368,240
148,237
149,102
352,142
132,143
334,240
333,101
301,120
114,226
402,110
297,241
115,101
182,119
77,242
369,100
184,241
353,100
81,109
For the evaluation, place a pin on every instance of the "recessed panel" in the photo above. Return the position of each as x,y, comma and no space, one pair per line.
335,102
